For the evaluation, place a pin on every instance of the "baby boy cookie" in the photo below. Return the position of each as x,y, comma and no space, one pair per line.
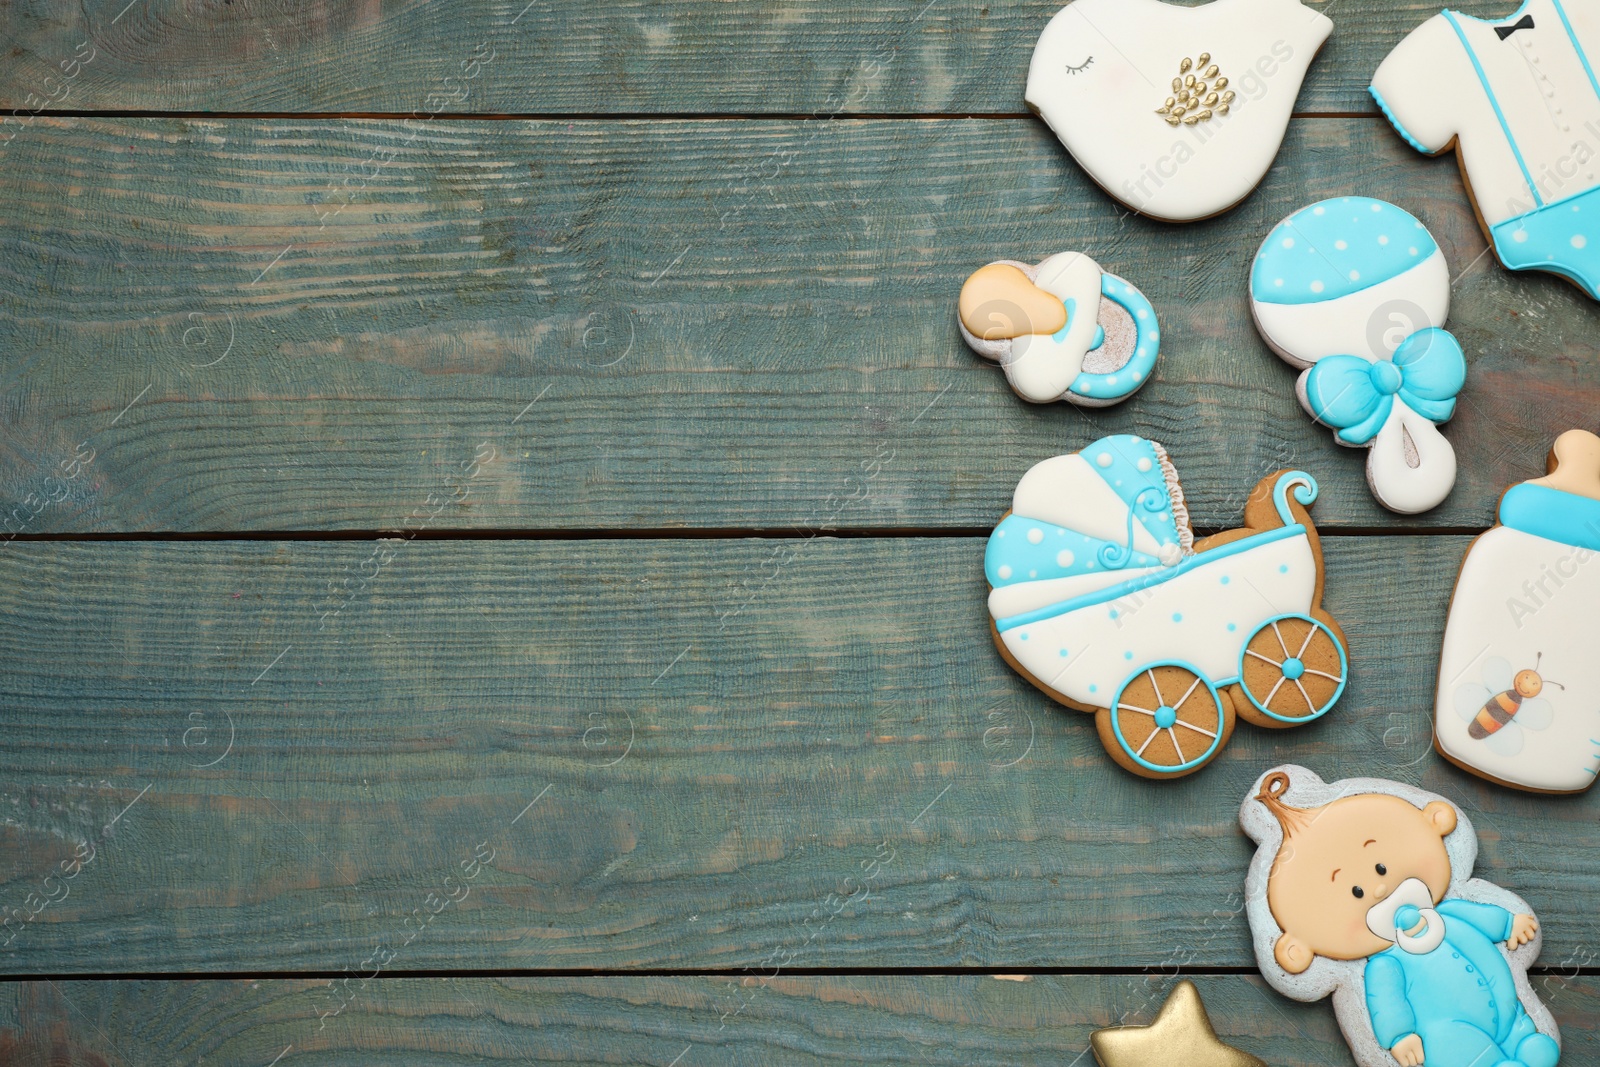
1519,101
1064,330
1363,890
1519,682
1175,111
1354,291
1102,598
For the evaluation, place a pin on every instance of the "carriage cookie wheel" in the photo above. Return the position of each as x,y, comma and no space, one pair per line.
1169,719
1293,669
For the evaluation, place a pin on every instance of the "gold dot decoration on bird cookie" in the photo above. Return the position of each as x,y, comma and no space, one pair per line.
1181,1036
1199,93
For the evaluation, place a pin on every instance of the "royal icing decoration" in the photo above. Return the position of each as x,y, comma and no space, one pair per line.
1519,683
1101,597
1519,99
1362,890
1175,111
1355,291
1181,1036
1064,330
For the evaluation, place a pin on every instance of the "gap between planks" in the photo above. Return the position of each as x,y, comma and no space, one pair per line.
617,116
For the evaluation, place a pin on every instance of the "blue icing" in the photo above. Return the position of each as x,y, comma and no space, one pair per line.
1549,513
1013,556
1130,376
1060,335
1558,238
1131,467
1336,248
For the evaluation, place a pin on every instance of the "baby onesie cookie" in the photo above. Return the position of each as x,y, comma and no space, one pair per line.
1102,598
1175,111
1519,683
1355,291
1064,330
1363,890
1519,101
1181,1036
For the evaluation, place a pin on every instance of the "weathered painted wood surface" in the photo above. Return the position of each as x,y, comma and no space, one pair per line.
290,755
544,56
958,1021
315,325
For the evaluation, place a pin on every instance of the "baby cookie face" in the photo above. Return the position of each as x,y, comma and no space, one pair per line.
1343,862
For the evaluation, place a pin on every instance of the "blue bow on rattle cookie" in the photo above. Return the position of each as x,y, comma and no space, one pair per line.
1356,396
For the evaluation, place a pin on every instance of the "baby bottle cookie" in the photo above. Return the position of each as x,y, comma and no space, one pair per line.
1362,890
1064,330
1175,111
1102,598
1518,100
1355,292
1519,682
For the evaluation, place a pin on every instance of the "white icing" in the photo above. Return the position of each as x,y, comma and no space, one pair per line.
1520,596
1042,367
1008,600
1396,484
1369,323
1066,491
1105,112
1432,90
1259,588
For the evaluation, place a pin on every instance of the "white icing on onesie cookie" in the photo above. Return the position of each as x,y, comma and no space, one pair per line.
1519,683
1356,291
1362,890
1519,99
1064,330
1103,599
1175,111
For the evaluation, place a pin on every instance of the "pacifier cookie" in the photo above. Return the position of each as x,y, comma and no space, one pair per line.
1103,599
1519,683
1518,100
1362,890
1355,292
1064,330
1177,112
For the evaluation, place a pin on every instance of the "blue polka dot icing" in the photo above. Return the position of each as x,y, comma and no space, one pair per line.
1335,248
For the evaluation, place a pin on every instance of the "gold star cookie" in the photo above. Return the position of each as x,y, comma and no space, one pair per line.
1181,1036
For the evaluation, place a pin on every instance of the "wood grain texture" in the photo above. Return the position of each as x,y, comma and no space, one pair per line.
306,324
739,751
956,1021
634,56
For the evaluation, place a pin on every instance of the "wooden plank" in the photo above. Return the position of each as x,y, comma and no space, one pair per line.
657,324
788,1021
633,56
731,748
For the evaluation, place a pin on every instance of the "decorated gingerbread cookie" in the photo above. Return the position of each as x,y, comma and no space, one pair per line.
1362,890
1180,1036
1175,111
1103,599
1519,100
1519,681
1355,292
1064,330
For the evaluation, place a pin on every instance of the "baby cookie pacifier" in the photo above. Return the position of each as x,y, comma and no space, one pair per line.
1064,330
1354,291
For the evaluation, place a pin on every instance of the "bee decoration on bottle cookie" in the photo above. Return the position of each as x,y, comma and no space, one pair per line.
1513,704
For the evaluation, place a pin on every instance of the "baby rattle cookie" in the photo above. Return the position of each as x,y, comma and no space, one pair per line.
1363,890
1186,148
1519,101
1519,684
1102,598
1064,330
1354,291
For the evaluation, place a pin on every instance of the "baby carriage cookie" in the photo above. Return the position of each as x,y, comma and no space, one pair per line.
1363,890
1519,683
1192,147
1064,330
1519,101
1354,291
1102,598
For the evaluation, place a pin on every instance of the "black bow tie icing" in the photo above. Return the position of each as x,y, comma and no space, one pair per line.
1524,23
